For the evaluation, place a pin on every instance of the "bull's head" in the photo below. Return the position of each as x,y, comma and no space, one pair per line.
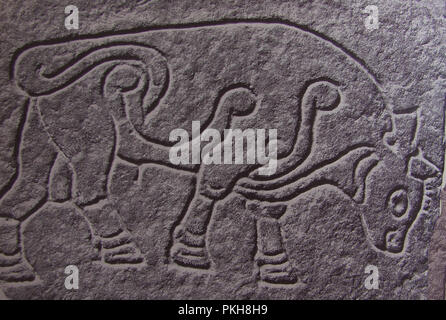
396,187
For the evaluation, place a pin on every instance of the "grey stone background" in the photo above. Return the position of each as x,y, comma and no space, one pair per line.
327,244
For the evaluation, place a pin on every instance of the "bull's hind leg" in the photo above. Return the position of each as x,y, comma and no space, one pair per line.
110,235
13,267
271,256
115,242
89,148
26,195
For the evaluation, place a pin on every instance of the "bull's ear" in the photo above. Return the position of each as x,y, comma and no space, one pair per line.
422,169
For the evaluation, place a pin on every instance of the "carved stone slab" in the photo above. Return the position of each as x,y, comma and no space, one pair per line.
86,178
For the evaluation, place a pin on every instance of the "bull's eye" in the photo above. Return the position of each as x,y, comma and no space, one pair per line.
398,202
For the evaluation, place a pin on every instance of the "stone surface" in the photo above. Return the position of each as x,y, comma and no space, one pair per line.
85,175
437,256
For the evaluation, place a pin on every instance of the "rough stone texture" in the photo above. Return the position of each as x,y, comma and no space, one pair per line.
85,176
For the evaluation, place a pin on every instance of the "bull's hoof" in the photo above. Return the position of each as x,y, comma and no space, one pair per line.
275,269
120,250
189,250
15,269
277,274
190,257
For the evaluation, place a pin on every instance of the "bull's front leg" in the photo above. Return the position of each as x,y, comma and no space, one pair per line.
271,257
215,181
189,238
189,248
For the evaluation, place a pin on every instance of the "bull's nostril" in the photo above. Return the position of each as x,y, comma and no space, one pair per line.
391,140
394,241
